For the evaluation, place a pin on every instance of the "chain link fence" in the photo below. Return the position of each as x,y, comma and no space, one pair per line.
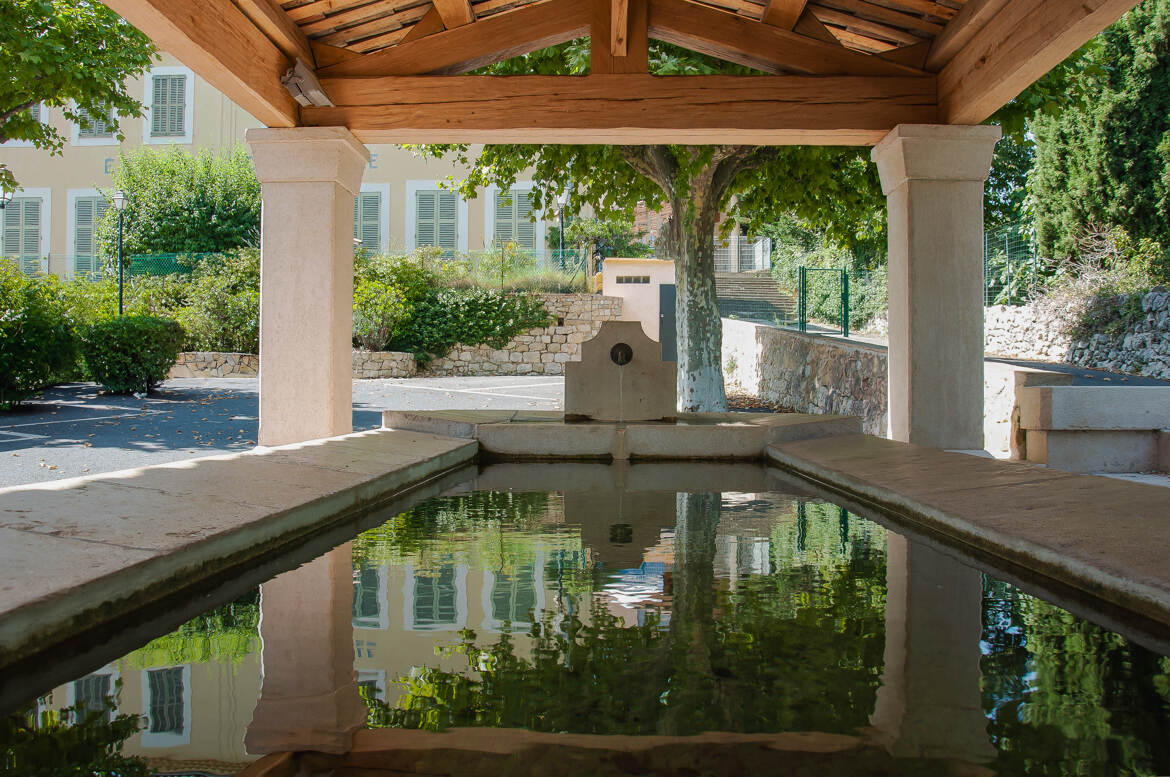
1011,265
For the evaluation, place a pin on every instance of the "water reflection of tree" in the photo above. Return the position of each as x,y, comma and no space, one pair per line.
1066,697
798,649
74,740
225,634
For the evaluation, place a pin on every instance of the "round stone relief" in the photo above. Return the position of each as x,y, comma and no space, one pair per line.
621,354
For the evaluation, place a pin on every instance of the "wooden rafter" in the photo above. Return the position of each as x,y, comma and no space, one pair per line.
472,46
761,46
602,59
783,13
274,22
619,26
455,13
1022,42
626,108
215,39
960,29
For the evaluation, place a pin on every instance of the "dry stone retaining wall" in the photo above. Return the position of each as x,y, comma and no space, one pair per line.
366,364
1033,332
542,351
383,364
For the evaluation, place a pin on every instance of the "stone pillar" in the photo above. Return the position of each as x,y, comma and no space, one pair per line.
309,178
933,180
309,699
930,704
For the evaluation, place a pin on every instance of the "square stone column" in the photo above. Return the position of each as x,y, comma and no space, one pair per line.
309,177
933,177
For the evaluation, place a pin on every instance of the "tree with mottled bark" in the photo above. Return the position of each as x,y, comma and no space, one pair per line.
76,55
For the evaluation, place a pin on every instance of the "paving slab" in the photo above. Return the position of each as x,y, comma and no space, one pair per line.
1102,536
76,553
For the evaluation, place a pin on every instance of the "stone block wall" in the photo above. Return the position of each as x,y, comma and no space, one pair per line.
1033,332
542,351
366,364
807,373
383,364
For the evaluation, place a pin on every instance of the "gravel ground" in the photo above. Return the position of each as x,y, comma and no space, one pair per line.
74,430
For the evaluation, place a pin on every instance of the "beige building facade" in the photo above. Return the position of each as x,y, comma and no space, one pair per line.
48,228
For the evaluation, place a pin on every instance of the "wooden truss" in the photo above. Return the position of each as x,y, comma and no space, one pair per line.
839,71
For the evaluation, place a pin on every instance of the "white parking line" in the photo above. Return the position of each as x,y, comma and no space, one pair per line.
21,436
135,413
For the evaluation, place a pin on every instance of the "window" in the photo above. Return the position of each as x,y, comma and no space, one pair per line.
435,598
367,220
514,219
633,279
369,594
514,596
436,220
22,232
87,214
38,113
167,704
168,106
92,691
97,127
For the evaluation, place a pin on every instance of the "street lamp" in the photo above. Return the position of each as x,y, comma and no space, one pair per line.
120,200
5,196
562,203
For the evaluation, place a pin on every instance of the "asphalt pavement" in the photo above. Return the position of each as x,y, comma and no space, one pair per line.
74,430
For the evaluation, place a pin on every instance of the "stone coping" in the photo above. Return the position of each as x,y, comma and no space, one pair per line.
1100,536
545,435
77,553
1094,408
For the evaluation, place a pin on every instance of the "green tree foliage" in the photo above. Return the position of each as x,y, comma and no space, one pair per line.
1105,160
184,203
76,55
227,634
75,741
608,237
36,335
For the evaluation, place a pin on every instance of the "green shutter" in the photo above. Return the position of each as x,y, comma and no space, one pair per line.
425,218
31,239
525,227
22,233
168,106
448,223
367,220
505,231
96,126
12,218
90,211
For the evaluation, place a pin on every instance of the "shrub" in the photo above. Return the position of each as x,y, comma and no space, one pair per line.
468,316
221,310
131,353
36,336
386,290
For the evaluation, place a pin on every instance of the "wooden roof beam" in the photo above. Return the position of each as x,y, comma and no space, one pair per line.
455,13
489,40
216,40
783,13
629,108
761,46
1025,40
960,29
602,45
281,30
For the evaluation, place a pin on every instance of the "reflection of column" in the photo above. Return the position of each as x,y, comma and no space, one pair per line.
930,704
309,698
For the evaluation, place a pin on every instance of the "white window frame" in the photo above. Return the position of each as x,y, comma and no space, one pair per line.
28,143
413,187
383,620
383,215
188,110
167,739
489,218
76,139
46,197
72,196
108,669
460,601
489,581
377,677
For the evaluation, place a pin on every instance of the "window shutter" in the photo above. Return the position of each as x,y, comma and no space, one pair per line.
448,223
505,231
177,120
158,106
12,218
168,106
525,228
37,113
425,213
97,126
367,220
90,211
31,240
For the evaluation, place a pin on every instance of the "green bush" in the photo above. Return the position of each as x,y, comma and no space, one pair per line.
468,316
36,335
386,290
131,353
221,303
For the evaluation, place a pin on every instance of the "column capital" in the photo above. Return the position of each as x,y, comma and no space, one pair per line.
308,154
935,152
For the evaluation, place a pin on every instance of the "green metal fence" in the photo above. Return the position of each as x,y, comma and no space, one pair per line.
819,291
1011,265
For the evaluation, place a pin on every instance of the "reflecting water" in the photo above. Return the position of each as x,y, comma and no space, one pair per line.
650,613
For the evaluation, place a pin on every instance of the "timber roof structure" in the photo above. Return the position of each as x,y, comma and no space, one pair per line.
839,71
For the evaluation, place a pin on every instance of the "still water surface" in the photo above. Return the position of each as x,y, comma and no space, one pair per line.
646,613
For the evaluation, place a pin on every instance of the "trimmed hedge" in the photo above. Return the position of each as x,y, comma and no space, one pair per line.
131,353
36,335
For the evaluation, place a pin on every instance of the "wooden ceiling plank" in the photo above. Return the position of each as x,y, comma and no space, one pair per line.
628,108
602,58
915,55
861,42
472,46
928,7
367,29
960,29
369,12
272,20
318,9
783,13
455,13
812,27
1025,40
762,46
865,26
216,40
430,23
879,13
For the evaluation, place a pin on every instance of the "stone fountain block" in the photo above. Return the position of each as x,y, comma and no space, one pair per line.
621,377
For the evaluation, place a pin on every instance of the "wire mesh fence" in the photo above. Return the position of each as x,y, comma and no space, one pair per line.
1011,265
